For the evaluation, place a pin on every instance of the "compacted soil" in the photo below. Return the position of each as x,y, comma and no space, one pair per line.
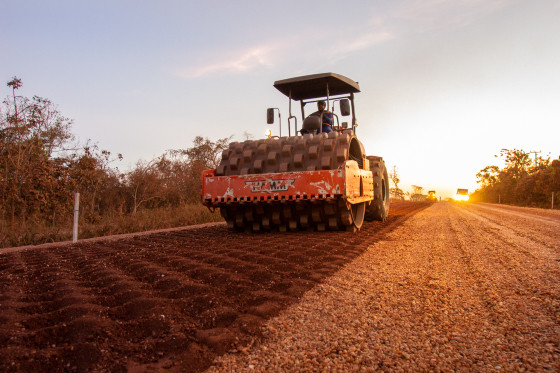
172,301
457,287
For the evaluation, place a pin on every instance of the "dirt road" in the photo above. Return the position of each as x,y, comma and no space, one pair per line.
444,287
455,288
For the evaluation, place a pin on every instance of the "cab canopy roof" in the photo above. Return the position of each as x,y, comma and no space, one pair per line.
314,86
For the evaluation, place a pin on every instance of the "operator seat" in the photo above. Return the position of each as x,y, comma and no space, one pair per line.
311,124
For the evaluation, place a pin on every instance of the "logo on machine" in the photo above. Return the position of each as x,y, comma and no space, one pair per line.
270,185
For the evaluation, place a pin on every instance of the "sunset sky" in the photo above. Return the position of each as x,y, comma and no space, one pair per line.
445,84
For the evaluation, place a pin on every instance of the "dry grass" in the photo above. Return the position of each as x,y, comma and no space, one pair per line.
41,232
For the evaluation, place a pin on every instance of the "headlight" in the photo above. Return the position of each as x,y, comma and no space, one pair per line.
268,133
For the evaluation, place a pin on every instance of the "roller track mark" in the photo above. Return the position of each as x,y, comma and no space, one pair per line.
147,330
132,311
60,320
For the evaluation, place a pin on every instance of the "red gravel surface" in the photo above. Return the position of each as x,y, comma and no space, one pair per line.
455,288
171,301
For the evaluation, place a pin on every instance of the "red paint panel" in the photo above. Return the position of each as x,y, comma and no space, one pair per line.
347,181
274,186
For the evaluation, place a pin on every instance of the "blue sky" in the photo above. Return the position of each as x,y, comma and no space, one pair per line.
445,84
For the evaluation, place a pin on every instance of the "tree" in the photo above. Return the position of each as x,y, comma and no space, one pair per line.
488,175
248,136
417,193
206,152
395,192
33,133
517,162
89,173
144,184
175,177
522,181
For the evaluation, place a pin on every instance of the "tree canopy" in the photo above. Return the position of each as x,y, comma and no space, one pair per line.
523,180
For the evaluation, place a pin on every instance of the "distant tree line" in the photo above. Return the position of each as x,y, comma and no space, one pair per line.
41,166
523,181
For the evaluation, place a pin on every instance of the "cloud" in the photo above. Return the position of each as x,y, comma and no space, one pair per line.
274,53
355,43
363,42
397,21
236,62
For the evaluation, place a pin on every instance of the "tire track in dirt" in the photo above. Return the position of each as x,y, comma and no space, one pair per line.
467,237
528,262
439,297
518,281
536,248
530,213
530,226
173,299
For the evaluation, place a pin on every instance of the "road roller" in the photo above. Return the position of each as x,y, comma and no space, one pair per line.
317,177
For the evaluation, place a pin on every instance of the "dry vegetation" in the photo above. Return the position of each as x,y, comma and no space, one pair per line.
523,181
41,167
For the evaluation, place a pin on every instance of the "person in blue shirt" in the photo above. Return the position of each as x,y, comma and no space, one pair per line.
327,117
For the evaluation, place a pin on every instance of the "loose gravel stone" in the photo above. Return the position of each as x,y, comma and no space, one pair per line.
470,287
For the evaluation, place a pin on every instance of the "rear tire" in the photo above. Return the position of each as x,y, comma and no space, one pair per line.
378,209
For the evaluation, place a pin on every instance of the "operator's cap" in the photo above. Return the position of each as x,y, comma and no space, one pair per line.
322,103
